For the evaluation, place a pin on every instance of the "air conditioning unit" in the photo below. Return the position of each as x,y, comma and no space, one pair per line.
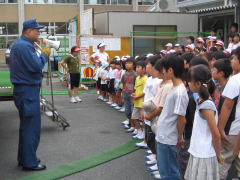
164,6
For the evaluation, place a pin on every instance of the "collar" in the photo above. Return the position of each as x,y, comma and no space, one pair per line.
26,39
72,56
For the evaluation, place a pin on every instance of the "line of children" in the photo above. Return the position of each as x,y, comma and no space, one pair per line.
178,106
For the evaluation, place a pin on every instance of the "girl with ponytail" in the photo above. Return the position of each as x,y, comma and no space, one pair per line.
205,141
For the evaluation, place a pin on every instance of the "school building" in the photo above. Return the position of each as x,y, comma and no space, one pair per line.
142,22
53,14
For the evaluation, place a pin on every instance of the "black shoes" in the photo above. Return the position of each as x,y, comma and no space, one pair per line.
39,167
20,164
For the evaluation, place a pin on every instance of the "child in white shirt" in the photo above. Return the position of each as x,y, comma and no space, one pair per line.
205,142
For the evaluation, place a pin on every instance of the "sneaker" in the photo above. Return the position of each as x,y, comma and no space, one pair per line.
122,109
139,136
113,105
105,99
150,157
73,100
109,102
153,168
157,176
126,122
130,130
134,133
99,98
78,99
154,173
141,145
151,162
117,107
148,152
126,126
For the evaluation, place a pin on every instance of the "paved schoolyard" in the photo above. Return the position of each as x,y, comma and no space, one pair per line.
95,127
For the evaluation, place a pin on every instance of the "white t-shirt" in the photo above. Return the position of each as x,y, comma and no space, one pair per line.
230,45
232,91
97,73
111,74
103,74
235,46
150,91
201,145
103,57
175,104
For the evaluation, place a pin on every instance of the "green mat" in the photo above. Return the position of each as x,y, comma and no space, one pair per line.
54,92
5,78
65,92
84,164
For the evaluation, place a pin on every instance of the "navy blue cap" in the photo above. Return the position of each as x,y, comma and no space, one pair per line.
31,24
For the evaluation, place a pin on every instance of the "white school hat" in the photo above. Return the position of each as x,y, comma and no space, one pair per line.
101,45
169,45
149,55
163,51
220,43
171,51
189,47
117,58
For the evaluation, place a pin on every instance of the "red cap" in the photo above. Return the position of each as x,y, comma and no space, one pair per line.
77,49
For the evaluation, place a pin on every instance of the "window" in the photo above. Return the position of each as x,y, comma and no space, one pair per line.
8,34
110,2
146,2
54,28
61,28
123,1
143,46
65,1
160,43
7,41
149,2
8,1
91,2
8,28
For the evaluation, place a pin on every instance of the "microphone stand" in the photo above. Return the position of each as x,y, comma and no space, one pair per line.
49,77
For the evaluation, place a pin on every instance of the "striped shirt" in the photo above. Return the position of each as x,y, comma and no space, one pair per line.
175,105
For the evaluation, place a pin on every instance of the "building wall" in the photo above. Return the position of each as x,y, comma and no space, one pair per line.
2,56
125,49
101,23
104,8
123,28
50,13
8,13
53,13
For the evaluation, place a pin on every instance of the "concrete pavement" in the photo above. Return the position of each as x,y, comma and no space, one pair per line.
95,127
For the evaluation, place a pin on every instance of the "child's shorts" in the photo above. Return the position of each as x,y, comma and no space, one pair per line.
111,86
136,113
103,87
99,83
74,79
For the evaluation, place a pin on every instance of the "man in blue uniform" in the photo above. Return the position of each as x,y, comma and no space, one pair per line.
26,75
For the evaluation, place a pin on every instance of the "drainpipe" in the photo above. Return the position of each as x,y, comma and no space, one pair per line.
21,16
